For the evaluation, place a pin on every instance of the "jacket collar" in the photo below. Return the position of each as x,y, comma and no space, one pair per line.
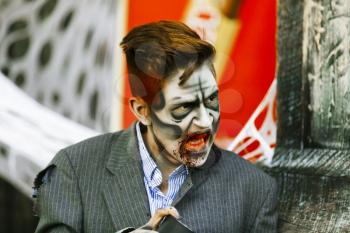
124,188
124,150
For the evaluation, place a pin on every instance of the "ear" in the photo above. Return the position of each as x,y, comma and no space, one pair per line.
140,109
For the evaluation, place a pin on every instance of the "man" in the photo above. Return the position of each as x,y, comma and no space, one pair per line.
166,163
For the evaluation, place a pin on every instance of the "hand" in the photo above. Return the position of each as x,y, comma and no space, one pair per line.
155,220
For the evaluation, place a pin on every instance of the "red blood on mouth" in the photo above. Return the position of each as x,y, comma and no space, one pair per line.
196,142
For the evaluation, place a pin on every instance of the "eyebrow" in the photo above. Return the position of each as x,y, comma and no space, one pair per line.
214,91
192,100
211,94
175,98
184,99
191,89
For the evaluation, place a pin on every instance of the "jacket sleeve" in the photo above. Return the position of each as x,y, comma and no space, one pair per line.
58,199
266,220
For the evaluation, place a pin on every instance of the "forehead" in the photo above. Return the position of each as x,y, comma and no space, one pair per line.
201,80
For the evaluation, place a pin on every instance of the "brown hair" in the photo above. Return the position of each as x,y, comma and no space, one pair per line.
155,51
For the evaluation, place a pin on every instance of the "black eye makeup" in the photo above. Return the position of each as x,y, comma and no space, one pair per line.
212,101
182,110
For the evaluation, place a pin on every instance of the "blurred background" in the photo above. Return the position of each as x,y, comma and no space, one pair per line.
63,79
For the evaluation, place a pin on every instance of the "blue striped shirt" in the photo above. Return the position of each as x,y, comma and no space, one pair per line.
153,178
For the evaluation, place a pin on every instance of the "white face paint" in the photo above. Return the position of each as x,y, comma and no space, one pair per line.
186,117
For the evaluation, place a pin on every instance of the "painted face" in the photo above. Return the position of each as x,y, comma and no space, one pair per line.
185,117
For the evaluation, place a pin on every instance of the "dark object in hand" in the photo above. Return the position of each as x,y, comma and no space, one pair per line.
171,225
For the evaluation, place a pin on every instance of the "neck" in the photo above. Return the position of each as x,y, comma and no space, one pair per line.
160,155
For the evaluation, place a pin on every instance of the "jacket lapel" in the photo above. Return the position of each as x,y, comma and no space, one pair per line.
124,189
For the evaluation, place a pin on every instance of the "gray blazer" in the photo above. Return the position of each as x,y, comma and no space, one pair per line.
97,186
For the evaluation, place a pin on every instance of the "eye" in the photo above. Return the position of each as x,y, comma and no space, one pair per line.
212,101
181,111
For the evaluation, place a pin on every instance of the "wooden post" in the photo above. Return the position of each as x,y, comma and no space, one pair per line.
328,73
312,158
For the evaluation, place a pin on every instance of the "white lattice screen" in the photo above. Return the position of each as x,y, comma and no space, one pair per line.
30,135
61,53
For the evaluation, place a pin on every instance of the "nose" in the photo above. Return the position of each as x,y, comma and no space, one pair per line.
203,119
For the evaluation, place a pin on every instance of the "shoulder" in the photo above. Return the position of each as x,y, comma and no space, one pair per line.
89,152
236,168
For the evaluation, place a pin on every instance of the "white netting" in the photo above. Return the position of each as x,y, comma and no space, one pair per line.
257,139
30,135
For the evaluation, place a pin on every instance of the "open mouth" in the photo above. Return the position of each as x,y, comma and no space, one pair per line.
196,142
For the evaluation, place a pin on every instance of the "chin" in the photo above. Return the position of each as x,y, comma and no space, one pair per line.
195,159
200,163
